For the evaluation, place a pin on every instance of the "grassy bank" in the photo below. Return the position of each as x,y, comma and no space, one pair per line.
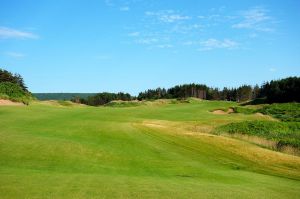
283,134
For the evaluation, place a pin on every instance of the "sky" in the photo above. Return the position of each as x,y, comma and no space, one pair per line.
134,45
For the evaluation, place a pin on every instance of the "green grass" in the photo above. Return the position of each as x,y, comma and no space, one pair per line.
64,103
149,151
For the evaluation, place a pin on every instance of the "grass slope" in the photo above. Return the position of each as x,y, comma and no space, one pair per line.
155,151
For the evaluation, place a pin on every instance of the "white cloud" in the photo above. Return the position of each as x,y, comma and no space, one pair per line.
134,34
211,44
173,18
164,46
168,16
186,28
109,2
124,8
9,33
147,41
15,54
255,18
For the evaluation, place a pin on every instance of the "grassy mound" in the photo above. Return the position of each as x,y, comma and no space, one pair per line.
124,104
288,112
282,132
14,93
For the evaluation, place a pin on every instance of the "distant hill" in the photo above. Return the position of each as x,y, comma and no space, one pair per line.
61,96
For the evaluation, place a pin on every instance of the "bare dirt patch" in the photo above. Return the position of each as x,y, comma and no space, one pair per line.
4,102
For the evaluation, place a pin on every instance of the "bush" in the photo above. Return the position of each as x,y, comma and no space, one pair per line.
288,112
14,92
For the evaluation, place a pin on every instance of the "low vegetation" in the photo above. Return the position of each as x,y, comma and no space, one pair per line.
12,87
14,93
124,103
284,133
287,112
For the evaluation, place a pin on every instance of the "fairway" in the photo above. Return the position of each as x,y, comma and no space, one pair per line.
159,150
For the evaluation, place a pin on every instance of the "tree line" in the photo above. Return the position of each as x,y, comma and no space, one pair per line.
283,90
103,98
242,93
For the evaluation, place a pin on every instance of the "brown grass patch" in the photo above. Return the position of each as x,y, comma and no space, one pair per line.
277,162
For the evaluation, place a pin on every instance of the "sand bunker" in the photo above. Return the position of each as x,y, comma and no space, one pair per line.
221,112
9,103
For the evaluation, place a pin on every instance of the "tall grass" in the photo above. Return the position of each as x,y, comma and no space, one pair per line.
288,112
285,134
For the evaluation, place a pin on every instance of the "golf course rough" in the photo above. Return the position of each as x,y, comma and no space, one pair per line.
147,151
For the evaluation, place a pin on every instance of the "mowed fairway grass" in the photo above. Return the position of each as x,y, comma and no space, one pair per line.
149,151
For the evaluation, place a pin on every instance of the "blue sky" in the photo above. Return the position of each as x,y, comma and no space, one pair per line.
133,45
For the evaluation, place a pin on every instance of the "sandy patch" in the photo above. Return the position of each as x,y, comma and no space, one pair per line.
9,103
221,112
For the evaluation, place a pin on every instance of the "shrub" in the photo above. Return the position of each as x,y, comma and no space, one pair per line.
14,92
285,133
288,112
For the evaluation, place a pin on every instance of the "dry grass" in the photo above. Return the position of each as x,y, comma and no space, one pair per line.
272,160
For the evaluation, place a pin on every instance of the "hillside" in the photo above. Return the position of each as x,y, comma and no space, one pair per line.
156,150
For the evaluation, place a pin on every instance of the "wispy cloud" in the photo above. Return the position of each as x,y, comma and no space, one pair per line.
9,33
174,27
15,54
164,46
125,8
211,44
256,18
187,28
134,34
272,69
147,41
168,16
109,2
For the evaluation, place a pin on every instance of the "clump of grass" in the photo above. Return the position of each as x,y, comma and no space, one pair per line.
244,110
123,104
64,103
284,133
180,101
